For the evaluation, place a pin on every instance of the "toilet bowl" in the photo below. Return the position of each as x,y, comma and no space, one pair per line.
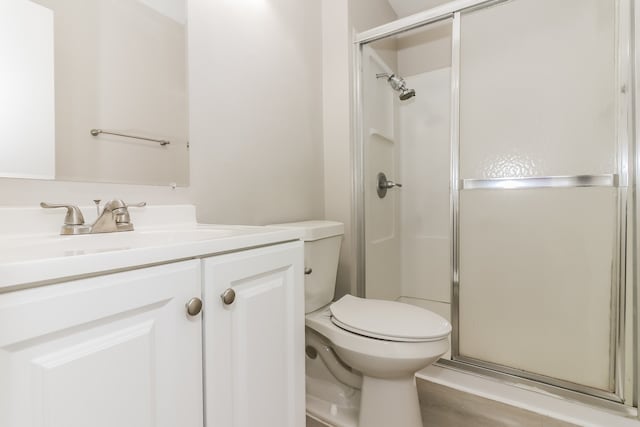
374,345
387,364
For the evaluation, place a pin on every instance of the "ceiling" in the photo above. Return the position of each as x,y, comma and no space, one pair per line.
409,7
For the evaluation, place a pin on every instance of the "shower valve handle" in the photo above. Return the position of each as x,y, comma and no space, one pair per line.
384,184
391,184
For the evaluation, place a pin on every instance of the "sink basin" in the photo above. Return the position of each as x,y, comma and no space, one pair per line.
38,246
153,237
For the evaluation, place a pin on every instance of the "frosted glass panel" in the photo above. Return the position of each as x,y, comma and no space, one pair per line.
535,280
537,87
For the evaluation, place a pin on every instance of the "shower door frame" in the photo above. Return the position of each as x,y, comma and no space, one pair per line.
628,168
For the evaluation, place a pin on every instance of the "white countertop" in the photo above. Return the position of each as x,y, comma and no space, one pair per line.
33,253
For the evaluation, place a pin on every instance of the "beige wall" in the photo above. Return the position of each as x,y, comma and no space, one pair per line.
367,14
340,22
255,72
338,162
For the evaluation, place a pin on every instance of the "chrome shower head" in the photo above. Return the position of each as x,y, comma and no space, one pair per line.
399,85
407,94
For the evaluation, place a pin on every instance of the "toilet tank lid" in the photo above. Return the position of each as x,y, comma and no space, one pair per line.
315,230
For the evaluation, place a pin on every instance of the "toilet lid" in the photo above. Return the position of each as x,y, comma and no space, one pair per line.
388,320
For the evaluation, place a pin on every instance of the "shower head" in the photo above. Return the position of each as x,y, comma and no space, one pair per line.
399,85
406,94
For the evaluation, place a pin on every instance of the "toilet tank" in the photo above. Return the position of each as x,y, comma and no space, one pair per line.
322,241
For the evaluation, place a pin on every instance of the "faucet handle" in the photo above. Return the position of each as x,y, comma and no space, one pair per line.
73,216
121,209
137,205
120,204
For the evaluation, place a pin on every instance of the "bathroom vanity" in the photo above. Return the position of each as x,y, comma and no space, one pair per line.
174,324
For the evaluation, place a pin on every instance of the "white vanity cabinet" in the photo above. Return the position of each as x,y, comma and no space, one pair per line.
254,341
113,350
105,330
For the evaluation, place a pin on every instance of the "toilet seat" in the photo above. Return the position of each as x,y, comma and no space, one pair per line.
388,320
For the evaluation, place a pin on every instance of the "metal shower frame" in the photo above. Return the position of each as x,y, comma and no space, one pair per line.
625,276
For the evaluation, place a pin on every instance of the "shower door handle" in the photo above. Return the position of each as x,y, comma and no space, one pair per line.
384,184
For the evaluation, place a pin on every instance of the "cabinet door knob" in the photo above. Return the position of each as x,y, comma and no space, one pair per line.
194,306
228,296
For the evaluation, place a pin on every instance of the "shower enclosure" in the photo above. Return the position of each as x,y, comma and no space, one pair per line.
500,194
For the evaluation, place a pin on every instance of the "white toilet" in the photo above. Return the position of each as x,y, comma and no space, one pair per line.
382,344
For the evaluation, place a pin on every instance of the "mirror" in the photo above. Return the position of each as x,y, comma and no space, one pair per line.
96,89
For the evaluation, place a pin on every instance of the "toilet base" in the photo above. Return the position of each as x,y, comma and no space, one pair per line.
389,402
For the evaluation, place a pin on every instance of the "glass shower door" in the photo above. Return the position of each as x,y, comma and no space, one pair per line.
541,194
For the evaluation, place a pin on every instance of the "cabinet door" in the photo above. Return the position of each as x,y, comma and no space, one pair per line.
254,347
112,351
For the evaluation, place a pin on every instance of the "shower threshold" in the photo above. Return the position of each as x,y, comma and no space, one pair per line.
484,381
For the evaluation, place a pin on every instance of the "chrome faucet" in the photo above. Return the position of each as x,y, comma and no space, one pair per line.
114,217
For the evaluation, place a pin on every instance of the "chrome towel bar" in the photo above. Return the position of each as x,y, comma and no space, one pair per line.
96,132
541,182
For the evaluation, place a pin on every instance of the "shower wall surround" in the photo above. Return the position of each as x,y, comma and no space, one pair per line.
425,128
